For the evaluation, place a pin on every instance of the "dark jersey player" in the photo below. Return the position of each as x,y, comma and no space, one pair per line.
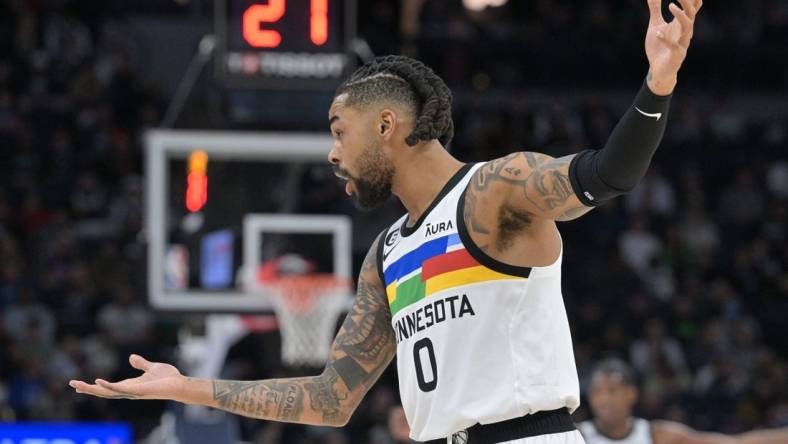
465,288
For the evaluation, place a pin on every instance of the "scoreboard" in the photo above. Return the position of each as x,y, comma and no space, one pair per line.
284,44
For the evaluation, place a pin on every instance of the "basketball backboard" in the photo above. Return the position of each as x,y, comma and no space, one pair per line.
211,259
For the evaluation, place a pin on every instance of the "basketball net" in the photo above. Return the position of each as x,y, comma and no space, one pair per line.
306,308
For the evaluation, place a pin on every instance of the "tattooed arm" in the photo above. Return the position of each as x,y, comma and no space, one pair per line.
520,195
536,186
511,204
527,186
362,349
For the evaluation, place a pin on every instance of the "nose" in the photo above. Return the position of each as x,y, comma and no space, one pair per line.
333,157
602,399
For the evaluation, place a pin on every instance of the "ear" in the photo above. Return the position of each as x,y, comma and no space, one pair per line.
387,123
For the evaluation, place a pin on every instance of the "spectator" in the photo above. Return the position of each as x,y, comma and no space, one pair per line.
639,246
654,195
125,321
29,317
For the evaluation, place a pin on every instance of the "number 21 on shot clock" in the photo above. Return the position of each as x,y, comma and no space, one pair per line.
284,44
258,15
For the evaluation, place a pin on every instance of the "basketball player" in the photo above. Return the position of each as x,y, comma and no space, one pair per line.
465,288
613,394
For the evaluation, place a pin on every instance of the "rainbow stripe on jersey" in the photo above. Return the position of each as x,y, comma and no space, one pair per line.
434,266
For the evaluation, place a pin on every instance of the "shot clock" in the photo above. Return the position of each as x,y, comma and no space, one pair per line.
284,44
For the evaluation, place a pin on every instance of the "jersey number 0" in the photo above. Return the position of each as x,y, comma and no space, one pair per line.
425,344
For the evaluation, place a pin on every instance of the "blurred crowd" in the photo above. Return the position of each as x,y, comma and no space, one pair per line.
589,43
71,301
685,277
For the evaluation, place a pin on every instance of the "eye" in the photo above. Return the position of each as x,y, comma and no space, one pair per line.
337,133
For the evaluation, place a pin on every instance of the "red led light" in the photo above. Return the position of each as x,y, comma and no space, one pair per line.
318,26
197,192
255,16
197,181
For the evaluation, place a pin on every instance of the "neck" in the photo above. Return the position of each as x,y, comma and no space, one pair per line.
615,430
421,175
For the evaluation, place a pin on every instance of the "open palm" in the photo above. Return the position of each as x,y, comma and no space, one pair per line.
667,43
159,381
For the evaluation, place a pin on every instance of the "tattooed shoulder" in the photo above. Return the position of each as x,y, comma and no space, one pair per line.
506,194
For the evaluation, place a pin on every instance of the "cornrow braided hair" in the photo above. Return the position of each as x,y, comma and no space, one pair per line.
412,83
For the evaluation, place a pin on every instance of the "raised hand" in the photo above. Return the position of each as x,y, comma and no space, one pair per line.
667,43
159,381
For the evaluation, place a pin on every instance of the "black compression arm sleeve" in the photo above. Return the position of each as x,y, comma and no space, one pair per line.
597,176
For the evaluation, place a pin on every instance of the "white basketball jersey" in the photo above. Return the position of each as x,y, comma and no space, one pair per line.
640,434
478,341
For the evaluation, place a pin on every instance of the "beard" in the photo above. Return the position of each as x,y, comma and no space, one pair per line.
373,184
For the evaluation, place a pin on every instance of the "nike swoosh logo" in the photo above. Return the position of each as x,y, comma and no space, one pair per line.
655,115
386,255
